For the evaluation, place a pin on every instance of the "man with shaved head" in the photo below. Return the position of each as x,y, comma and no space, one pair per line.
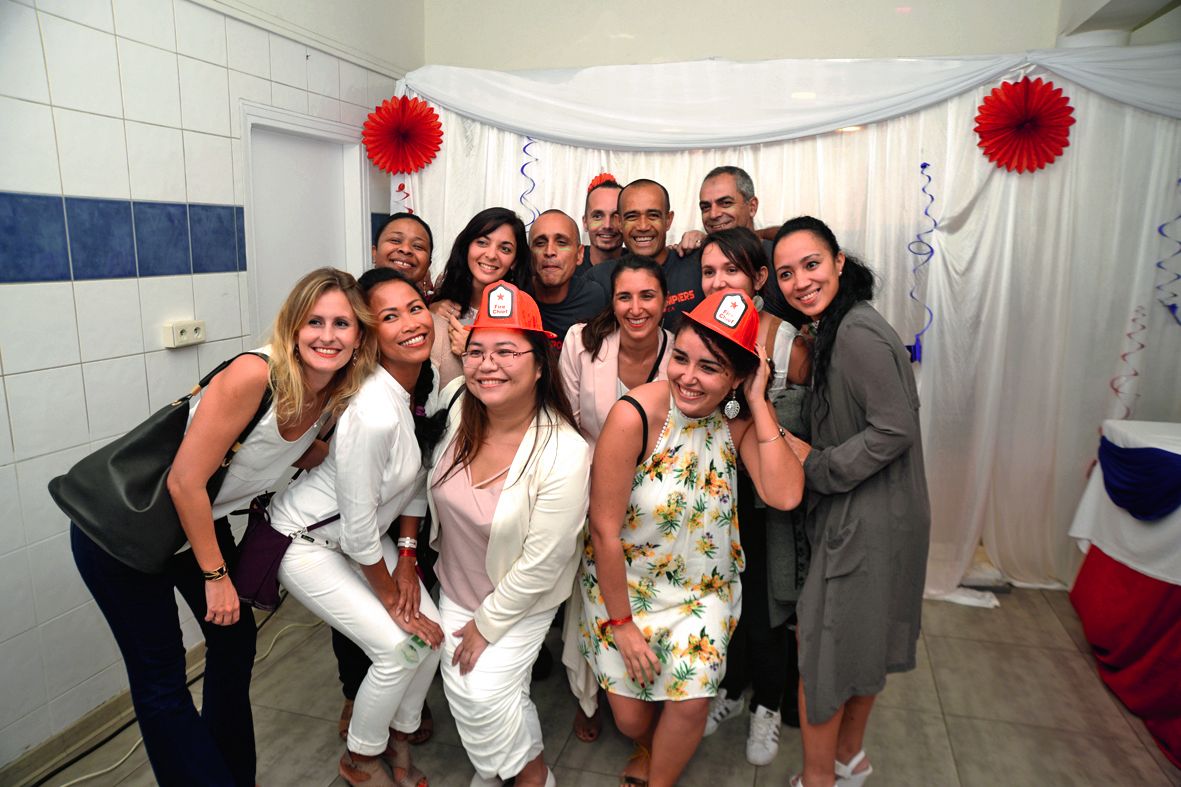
562,298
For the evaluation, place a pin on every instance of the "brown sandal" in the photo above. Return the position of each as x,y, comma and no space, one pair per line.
362,769
397,756
627,780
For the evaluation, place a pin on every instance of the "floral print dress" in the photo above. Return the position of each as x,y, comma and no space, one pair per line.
683,557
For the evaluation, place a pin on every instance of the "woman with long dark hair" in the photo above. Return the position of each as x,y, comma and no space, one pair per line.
347,571
869,517
309,365
660,586
508,495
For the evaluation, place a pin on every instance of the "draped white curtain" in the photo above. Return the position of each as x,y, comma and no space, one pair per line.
1033,282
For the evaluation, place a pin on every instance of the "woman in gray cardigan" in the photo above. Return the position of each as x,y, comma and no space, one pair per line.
868,513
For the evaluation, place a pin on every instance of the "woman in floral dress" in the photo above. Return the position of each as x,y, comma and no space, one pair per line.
660,584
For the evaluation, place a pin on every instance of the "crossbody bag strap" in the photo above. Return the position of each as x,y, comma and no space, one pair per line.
643,420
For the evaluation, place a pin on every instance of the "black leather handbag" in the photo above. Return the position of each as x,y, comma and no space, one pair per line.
118,495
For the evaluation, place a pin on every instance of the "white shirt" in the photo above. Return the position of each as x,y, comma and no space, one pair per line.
373,473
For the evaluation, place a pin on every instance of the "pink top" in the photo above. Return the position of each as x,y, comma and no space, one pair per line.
465,512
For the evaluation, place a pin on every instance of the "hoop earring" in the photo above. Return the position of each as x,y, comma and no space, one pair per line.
732,407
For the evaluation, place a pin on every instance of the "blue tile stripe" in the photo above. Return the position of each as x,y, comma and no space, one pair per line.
51,238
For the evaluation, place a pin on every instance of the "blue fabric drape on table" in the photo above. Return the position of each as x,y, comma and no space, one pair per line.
1146,482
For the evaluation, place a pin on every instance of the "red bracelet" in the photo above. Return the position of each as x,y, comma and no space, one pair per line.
407,552
616,622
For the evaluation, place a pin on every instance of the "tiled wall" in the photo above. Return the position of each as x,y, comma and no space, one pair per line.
121,192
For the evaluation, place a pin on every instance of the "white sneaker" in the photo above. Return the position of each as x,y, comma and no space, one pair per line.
762,742
721,709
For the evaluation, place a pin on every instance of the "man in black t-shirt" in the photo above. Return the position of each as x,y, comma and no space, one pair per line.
645,216
600,219
562,298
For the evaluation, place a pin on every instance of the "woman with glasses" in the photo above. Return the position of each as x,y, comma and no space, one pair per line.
508,496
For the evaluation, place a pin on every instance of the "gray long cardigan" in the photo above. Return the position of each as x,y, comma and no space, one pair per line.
868,519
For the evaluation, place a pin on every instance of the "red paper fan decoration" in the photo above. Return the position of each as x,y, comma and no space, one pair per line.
402,135
1024,125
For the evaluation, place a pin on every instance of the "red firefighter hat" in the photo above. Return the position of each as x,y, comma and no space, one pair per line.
504,306
732,314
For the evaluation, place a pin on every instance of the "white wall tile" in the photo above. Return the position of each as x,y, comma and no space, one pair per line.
16,588
86,12
12,526
248,88
86,696
76,646
210,354
6,457
290,98
288,62
323,107
57,585
354,83
200,32
151,86
22,735
323,74
116,395
82,65
244,302
22,681
215,300
108,318
353,115
204,97
28,155
22,67
156,163
249,48
146,21
48,411
163,299
37,326
42,518
209,169
380,88
93,154
171,375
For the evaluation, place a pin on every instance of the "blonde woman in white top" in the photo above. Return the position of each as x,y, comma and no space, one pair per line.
346,572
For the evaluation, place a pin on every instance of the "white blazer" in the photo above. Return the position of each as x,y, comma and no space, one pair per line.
592,385
536,531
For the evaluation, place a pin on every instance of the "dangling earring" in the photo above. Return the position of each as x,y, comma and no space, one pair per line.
353,360
732,408
297,358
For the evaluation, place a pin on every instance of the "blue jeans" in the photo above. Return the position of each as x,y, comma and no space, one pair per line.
215,747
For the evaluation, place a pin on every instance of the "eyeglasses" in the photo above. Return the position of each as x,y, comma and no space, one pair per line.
499,357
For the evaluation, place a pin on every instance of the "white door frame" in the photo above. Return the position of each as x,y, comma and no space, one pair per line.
356,189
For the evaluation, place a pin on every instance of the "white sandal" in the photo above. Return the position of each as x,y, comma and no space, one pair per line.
845,771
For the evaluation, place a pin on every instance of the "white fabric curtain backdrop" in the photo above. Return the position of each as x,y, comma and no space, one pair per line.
1033,282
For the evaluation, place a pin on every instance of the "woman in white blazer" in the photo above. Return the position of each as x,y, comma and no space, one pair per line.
508,495
621,347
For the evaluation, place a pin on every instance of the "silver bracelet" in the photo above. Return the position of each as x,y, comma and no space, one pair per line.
407,542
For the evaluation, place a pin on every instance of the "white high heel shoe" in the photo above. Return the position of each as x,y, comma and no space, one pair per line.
845,771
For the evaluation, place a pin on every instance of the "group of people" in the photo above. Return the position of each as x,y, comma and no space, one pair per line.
680,450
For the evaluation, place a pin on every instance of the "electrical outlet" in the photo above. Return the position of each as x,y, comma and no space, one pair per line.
182,333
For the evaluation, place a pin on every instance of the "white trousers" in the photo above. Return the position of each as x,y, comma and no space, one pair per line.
496,719
333,588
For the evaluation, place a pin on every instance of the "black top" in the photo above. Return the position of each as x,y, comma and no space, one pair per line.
584,300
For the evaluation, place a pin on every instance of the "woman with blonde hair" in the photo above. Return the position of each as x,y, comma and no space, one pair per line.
319,354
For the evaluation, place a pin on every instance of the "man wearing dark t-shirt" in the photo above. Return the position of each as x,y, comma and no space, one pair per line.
645,216
600,216
562,298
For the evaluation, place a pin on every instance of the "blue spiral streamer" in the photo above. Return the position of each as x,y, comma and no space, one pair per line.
920,248
1166,295
524,198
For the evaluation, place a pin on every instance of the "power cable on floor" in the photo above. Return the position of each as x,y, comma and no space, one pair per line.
95,747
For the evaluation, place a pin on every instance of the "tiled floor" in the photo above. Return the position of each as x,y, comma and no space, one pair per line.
1005,696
